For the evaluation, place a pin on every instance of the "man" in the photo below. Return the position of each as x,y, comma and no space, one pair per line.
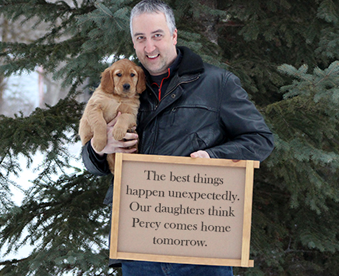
189,108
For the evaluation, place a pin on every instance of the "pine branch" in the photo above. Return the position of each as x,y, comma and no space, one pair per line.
11,262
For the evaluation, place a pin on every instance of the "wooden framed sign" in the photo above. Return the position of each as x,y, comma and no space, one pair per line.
182,210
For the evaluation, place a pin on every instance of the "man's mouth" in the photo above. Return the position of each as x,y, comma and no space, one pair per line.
152,57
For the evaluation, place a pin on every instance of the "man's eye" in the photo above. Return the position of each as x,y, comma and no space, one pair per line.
140,38
119,75
132,75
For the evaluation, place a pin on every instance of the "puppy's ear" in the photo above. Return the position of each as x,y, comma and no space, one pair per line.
141,85
107,82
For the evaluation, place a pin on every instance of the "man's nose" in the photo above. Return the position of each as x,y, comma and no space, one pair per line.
149,47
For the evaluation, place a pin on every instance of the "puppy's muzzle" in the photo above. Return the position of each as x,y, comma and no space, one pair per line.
126,86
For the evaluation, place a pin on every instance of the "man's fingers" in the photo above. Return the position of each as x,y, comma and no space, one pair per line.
200,154
126,150
131,136
127,144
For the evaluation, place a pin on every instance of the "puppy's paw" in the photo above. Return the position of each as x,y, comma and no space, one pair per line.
98,144
119,133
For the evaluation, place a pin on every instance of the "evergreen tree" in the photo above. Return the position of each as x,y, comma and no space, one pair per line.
286,54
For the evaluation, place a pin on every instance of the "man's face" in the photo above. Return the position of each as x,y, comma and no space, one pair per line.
153,42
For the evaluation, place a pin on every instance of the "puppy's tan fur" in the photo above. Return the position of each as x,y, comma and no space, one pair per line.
118,91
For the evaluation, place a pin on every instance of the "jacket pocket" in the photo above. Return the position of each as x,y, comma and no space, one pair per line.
189,116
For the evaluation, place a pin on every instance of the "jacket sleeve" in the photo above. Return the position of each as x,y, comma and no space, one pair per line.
94,163
250,139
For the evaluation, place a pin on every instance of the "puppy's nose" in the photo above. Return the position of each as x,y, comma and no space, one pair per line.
126,86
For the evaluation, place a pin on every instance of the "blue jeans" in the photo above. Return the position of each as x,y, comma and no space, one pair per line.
138,268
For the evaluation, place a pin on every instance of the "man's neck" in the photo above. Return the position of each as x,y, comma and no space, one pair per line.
172,68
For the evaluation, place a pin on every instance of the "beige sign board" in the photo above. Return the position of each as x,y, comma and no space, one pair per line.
182,210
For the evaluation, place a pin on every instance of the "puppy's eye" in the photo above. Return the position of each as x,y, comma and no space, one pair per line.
119,75
132,75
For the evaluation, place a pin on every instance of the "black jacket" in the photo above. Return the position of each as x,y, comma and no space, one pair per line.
204,108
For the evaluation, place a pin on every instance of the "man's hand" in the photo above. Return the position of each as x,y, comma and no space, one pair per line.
204,154
200,154
113,146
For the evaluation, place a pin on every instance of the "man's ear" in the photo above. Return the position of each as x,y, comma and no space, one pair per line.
175,37
141,85
107,82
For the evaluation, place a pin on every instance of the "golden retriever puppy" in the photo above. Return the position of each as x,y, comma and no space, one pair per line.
118,91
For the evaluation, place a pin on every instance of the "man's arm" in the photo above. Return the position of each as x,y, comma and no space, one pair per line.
94,163
251,139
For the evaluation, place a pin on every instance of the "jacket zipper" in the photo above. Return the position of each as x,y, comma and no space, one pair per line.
169,92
